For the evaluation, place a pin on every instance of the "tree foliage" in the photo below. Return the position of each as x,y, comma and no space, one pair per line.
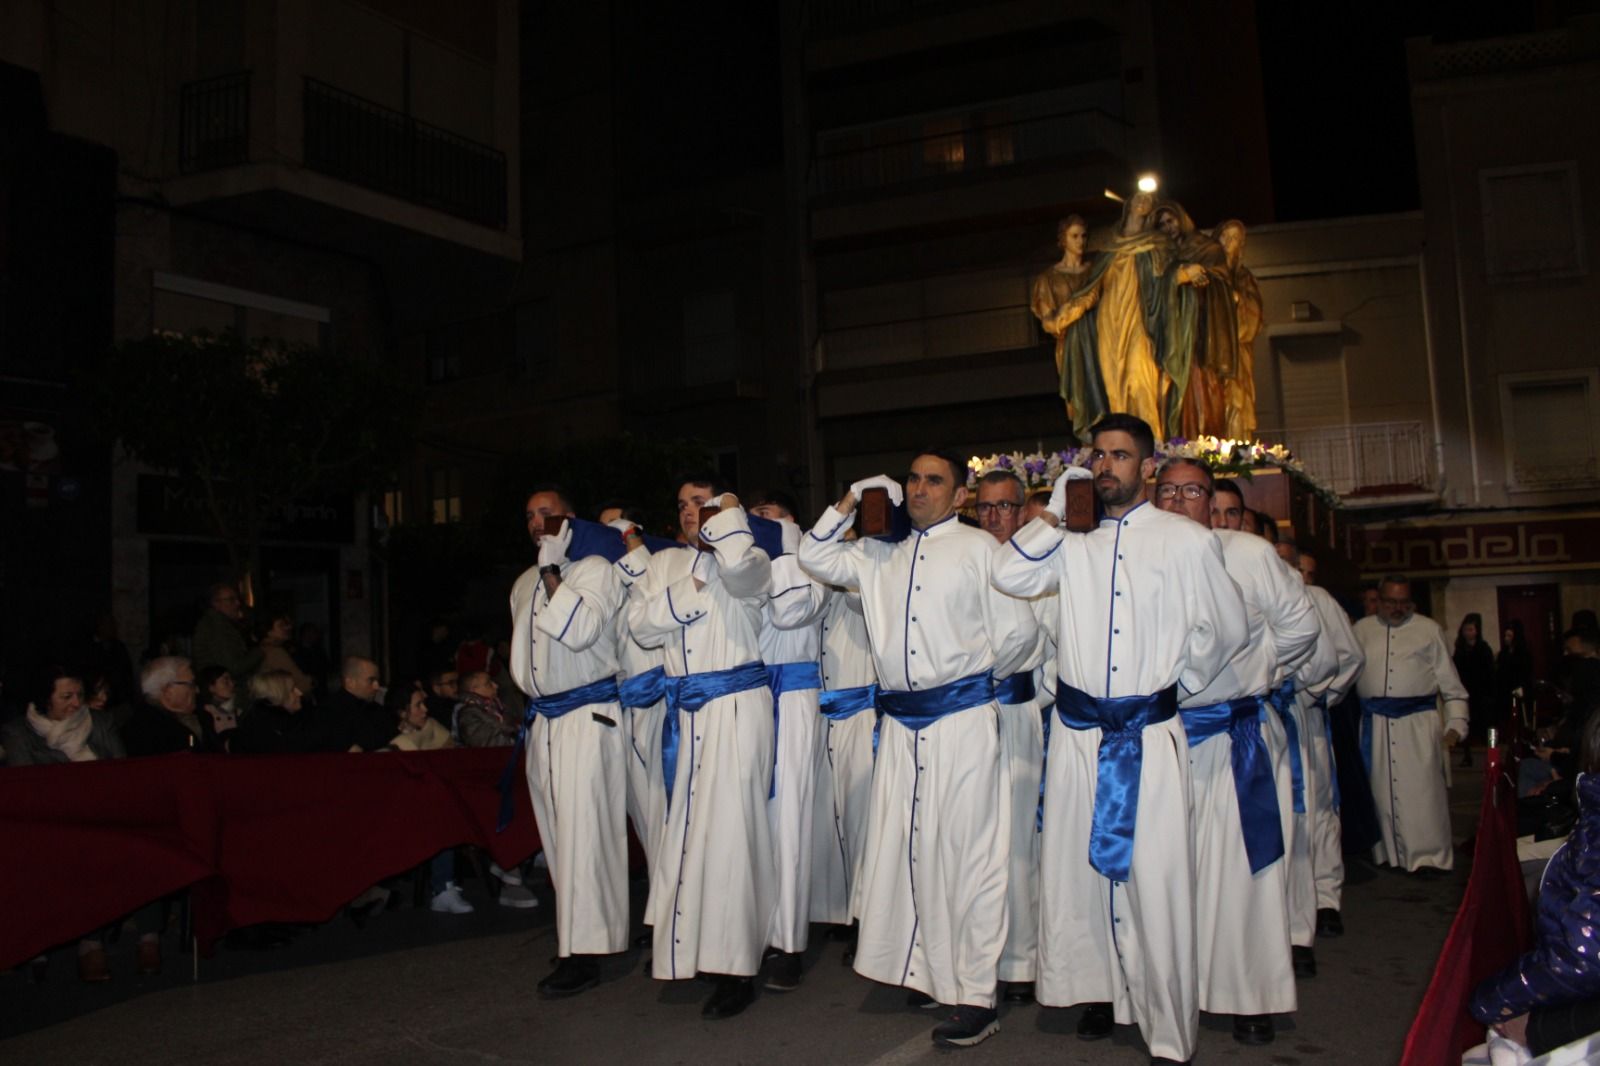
249,427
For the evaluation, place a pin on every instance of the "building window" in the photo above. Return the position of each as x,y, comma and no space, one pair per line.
446,496
710,338
1311,377
1532,222
394,507
1550,422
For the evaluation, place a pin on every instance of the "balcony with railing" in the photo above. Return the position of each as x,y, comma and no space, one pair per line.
1370,461
969,146
214,123
367,144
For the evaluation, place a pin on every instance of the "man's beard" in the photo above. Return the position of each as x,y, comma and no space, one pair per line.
1116,496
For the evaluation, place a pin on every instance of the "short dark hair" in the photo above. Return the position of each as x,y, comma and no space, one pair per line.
208,677
1039,496
1269,526
1133,426
629,511
44,684
555,490
958,466
777,498
398,699
436,676
1588,636
1228,485
1183,460
709,480
1000,477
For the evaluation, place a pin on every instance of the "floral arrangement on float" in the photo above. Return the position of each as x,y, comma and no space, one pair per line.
1226,458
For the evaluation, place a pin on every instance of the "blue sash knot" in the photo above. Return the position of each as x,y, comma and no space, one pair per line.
919,710
1121,721
1282,701
694,691
552,706
781,678
1016,689
1259,814
643,690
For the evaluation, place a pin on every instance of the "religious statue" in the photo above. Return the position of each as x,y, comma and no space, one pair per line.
1071,321
1201,345
1240,403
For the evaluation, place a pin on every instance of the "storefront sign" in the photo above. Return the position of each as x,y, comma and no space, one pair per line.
166,508
1480,546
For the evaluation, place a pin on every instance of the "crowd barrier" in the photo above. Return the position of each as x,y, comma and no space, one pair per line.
273,838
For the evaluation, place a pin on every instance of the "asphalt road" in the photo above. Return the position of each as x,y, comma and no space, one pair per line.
417,987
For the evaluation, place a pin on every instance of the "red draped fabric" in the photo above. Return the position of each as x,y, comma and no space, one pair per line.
1491,928
278,838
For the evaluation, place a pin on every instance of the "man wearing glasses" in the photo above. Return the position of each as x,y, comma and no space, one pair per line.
1244,832
1408,671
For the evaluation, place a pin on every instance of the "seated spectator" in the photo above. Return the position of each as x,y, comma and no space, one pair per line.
500,670
219,697
481,720
58,728
444,688
312,659
108,657
473,653
219,635
275,652
1546,998
353,713
276,723
166,721
99,695
417,731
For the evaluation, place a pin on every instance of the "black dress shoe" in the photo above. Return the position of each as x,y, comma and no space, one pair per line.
1097,1022
1305,961
1019,992
1329,923
783,972
1253,1028
573,974
732,996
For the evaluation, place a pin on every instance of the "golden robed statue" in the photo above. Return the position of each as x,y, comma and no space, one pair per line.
1158,322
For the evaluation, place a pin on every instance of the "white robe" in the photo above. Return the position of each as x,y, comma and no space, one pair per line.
1022,746
1407,755
577,763
647,792
844,786
715,883
932,892
1145,604
791,633
1321,683
1243,918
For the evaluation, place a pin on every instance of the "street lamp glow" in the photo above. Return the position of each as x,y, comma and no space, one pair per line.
1147,183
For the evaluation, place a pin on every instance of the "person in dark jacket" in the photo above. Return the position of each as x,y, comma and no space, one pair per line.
166,721
276,723
1475,663
353,712
1513,667
1550,996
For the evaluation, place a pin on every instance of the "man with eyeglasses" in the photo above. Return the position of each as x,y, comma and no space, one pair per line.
1002,498
1409,670
1241,780
1146,610
219,635
932,893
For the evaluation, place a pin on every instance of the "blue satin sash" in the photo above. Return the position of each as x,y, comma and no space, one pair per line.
693,692
1259,815
1121,721
643,690
781,678
919,710
1016,689
1333,767
1282,701
552,706
842,703
1389,707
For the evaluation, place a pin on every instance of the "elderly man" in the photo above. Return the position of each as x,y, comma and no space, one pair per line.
1002,499
165,720
1146,606
932,896
219,635
1240,777
563,655
1408,671
714,889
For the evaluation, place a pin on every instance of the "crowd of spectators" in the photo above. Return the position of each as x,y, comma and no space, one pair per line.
271,692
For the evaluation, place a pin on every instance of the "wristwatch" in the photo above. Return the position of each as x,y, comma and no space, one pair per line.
550,571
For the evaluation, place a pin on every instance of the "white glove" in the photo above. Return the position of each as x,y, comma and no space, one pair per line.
624,527
1058,496
791,536
553,549
897,495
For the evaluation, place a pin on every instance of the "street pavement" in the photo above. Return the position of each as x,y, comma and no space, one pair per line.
424,988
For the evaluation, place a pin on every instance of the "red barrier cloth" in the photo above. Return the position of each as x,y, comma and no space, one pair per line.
1492,927
272,838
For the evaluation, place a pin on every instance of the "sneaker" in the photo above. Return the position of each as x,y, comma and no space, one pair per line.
450,901
505,877
967,1026
517,896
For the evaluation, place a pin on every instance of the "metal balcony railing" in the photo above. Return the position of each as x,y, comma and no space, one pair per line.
214,123
367,144
978,146
1367,459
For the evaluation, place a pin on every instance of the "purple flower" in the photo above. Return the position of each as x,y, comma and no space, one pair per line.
1004,462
